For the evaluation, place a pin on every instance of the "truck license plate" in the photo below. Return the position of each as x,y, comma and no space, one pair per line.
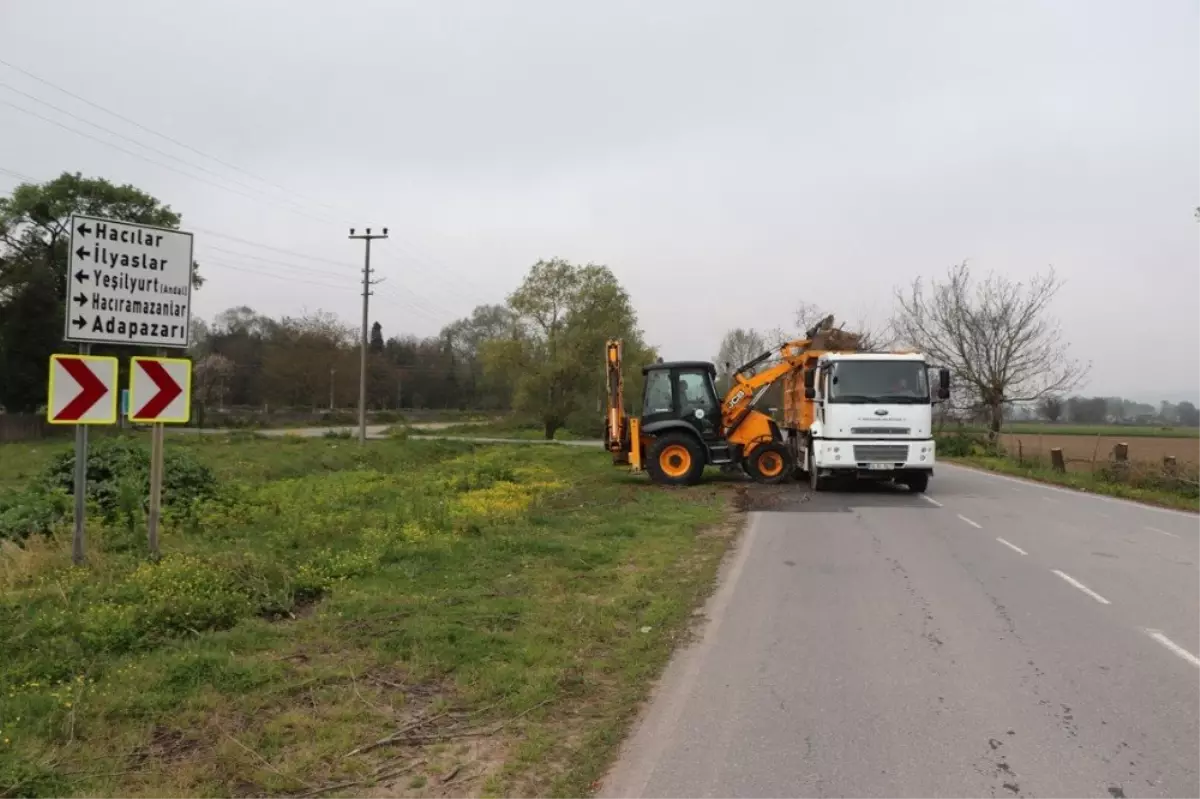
880,466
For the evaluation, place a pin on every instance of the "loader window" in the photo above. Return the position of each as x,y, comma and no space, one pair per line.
696,393
884,382
658,392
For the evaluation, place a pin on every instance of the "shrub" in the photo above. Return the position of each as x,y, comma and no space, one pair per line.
119,468
586,424
959,444
34,511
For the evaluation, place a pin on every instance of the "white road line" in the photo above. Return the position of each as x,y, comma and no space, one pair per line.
930,500
1174,647
1012,546
1164,532
1082,587
976,525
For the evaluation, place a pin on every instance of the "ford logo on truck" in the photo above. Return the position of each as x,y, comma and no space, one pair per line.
881,412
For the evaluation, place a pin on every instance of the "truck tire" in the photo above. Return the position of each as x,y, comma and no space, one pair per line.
770,463
676,459
815,481
917,482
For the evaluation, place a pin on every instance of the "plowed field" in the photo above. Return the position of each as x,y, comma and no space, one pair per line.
1079,450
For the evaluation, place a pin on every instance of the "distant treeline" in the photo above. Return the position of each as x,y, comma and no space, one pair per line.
1112,410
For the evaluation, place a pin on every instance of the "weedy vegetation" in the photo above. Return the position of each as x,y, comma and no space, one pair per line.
412,618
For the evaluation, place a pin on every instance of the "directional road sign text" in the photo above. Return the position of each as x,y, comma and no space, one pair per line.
128,284
83,390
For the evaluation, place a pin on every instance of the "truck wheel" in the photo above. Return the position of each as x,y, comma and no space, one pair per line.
918,482
676,459
770,463
815,481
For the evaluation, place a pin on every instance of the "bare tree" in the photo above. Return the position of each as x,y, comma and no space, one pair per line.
996,336
209,376
1051,407
739,346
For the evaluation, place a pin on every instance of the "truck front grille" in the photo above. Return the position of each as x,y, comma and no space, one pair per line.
880,453
879,431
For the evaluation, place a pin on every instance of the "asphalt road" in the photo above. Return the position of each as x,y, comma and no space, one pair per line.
994,638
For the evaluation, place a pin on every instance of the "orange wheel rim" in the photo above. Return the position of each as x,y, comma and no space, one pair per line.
770,464
675,460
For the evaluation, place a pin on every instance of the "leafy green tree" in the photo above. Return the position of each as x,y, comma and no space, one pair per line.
34,237
554,354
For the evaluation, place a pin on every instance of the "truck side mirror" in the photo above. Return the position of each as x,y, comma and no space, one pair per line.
810,380
943,383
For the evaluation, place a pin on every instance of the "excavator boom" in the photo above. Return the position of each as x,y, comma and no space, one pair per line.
616,423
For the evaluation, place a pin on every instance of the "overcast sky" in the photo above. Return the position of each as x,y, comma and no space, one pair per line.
726,160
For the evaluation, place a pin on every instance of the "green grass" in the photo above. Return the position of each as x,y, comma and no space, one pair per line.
1082,481
1126,430
332,595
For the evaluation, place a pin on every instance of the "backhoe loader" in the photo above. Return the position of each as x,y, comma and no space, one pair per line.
684,427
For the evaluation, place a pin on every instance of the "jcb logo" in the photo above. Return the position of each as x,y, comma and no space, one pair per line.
736,398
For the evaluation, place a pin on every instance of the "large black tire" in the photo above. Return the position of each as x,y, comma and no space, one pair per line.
770,463
815,481
917,482
676,459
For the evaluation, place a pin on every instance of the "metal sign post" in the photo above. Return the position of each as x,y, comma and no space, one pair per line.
82,392
160,391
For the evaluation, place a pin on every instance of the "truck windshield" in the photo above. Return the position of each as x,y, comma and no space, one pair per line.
893,382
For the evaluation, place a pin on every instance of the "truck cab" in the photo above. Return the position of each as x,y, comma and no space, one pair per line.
866,416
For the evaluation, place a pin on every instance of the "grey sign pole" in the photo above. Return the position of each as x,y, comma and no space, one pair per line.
81,455
156,478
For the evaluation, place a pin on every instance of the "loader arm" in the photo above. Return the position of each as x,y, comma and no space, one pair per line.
740,398
616,422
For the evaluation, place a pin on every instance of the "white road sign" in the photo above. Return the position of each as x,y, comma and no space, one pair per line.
128,284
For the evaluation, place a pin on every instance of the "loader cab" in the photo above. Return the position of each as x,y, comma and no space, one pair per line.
681,392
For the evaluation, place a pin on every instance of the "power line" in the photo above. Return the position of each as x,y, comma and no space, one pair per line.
18,175
293,253
140,156
462,287
129,139
273,261
274,275
140,126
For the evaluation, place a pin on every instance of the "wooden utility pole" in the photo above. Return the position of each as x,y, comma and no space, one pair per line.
367,237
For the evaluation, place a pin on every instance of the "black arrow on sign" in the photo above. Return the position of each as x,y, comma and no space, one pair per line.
82,253
81,275
84,229
80,322
81,299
